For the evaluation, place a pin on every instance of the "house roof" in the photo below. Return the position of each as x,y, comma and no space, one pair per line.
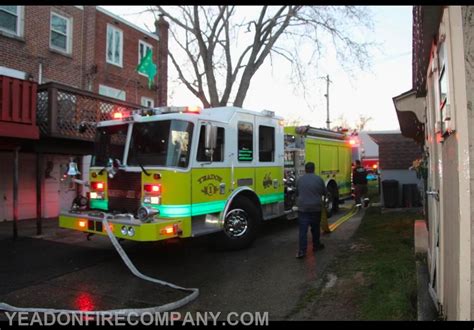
395,150
426,20
126,22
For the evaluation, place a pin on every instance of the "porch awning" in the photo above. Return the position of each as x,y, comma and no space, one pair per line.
411,115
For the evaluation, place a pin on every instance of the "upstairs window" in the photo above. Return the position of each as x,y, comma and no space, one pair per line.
114,46
143,48
112,92
60,33
266,144
11,19
245,142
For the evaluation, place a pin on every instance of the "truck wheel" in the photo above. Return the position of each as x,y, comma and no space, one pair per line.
240,227
333,200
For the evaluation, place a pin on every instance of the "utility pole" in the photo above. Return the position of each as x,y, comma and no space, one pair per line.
328,122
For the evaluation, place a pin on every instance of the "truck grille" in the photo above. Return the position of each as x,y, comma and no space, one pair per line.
124,192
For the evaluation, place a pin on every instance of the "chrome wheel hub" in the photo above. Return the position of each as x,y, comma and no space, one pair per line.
236,223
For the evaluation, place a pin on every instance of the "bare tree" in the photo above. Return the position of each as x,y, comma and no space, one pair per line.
359,125
218,51
362,122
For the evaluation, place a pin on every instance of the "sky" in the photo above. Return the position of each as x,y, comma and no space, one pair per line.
368,93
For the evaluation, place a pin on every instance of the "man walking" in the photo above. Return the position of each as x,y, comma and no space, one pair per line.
310,190
359,179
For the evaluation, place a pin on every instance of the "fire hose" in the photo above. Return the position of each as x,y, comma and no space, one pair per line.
135,311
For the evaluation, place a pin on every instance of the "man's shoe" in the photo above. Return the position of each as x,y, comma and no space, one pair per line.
300,255
318,247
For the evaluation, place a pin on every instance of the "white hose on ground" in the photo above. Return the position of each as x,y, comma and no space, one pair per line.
136,311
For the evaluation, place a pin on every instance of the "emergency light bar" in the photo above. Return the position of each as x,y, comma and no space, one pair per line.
164,110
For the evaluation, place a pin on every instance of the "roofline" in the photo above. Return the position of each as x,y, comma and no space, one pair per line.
124,21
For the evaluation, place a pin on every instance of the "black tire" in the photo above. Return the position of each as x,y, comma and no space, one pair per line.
333,200
235,236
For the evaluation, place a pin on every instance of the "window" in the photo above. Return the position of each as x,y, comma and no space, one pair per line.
114,45
266,143
218,155
147,102
245,142
143,48
446,124
112,92
11,19
60,34
161,143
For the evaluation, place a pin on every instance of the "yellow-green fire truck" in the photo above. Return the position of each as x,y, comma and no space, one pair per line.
184,172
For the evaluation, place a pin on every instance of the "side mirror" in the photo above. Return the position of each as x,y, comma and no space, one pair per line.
210,137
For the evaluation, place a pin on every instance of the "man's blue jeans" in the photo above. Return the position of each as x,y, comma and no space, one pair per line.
305,220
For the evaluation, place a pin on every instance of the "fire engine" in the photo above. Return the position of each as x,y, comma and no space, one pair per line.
184,172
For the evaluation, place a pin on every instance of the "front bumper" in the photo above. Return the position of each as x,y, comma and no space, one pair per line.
156,230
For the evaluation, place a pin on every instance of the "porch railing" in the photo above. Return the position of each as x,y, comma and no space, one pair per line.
61,109
18,108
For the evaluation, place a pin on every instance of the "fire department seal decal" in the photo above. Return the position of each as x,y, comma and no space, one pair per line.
210,188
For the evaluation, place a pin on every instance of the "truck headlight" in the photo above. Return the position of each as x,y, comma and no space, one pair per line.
123,231
131,231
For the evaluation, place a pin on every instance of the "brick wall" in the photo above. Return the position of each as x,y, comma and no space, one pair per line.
125,78
26,53
86,66
396,151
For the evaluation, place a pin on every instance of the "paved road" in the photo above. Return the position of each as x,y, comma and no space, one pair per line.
63,270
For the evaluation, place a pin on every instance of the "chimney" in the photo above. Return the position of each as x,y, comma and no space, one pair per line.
162,27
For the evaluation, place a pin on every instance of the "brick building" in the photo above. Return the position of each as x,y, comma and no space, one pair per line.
85,47
396,156
83,60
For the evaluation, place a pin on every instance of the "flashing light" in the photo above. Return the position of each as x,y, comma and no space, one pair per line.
193,109
352,142
82,223
168,230
152,188
96,185
375,166
117,115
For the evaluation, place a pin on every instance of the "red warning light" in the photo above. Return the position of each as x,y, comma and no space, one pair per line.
193,109
118,115
97,185
152,188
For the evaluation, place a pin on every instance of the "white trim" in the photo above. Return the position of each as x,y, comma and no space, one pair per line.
144,99
120,19
80,7
112,92
20,20
114,29
4,71
68,49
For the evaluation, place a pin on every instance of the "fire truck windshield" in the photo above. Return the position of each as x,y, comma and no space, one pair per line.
161,143
109,144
